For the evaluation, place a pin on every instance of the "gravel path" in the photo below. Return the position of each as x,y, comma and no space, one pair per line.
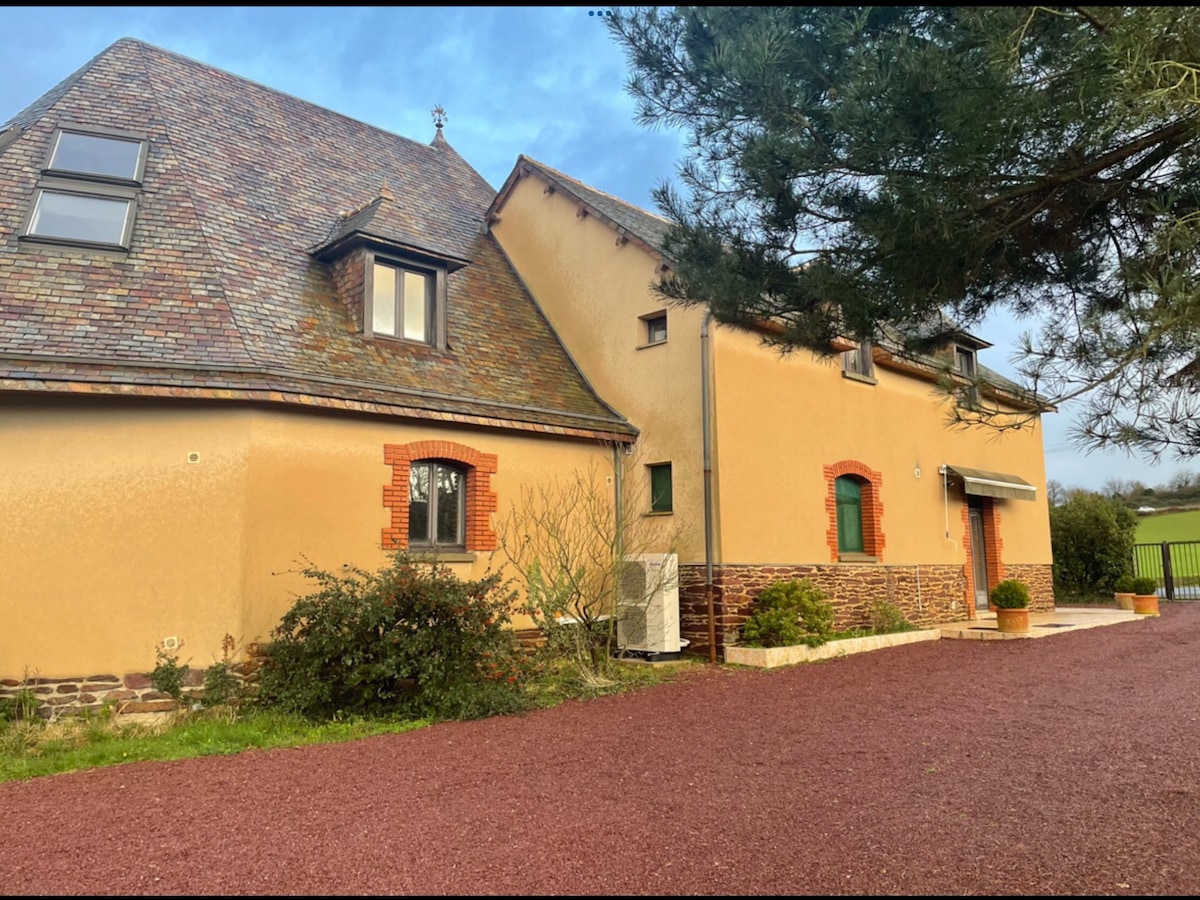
1066,765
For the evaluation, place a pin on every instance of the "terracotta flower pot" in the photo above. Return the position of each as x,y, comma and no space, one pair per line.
1145,604
1124,601
1012,621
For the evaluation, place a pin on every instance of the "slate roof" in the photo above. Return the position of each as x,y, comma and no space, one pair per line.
220,294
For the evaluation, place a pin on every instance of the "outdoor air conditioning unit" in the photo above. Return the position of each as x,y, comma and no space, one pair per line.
648,604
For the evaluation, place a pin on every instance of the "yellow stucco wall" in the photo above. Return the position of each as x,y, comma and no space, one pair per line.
595,292
112,540
776,421
782,419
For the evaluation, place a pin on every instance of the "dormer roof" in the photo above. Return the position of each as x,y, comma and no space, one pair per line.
219,294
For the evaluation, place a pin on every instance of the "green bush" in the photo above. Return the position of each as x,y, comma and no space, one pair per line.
169,674
787,613
1010,594
410,639
222,684
886,618
1123,585
20,706
1145,586
1092,540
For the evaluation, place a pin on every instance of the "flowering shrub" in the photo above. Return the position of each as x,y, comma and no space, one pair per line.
411,639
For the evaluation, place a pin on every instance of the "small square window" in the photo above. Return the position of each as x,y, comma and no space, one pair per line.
660,488
402,303
656,328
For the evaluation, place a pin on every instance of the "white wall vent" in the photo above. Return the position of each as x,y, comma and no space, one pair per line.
648,604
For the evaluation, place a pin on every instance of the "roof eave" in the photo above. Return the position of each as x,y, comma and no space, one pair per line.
526,167
344,243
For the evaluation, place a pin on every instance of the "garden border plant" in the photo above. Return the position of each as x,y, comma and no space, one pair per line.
410,639
787,613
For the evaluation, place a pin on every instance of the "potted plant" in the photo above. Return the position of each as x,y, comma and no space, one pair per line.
1123,592
1145,596
1011,599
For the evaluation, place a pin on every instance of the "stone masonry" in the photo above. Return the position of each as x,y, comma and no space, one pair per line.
131,693
925,594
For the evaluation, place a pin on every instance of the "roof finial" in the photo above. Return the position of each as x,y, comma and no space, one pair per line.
439,116
386,192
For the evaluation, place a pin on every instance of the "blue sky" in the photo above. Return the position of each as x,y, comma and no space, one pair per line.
544,81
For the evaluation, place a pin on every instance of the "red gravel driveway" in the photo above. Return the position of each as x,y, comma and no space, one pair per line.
1066,765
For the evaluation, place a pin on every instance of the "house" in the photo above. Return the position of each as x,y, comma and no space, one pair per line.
840,469
239,331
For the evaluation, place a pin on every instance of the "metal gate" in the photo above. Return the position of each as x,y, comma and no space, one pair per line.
1175,565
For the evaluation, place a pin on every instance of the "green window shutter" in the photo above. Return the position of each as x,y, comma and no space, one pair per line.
849,515
660,488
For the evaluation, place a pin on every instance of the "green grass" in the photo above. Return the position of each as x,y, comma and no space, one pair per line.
1179,526
29,749
72,743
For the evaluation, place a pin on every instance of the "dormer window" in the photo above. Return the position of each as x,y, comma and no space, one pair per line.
965,365
402,302
859,363
88,192
964,361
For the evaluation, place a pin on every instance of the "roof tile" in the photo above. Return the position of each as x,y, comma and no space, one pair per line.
241,183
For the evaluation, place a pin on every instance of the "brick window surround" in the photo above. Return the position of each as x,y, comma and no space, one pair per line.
480,500
870,484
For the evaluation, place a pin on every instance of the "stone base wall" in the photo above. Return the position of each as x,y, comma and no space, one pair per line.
926,594
131,693
1039,578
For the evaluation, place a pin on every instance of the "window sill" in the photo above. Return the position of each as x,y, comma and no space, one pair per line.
647,346
857,558
661,512
71,244
394,339
445,556
855,376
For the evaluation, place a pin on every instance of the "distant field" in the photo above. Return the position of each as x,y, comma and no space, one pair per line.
1180,526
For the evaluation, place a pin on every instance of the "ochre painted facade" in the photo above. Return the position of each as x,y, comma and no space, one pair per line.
782,428
130,521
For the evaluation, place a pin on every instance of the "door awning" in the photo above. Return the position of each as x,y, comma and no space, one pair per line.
993,484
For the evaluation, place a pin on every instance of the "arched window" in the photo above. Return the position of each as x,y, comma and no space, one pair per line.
848,494
440,496
436,505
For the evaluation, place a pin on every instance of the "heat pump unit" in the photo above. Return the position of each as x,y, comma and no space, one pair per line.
648,604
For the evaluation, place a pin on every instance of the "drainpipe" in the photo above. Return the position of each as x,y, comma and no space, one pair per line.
706,428
619,510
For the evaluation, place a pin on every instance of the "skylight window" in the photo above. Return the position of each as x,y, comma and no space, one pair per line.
88,192
76,217
90,154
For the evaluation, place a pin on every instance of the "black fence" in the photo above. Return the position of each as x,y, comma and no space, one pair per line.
1175,565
